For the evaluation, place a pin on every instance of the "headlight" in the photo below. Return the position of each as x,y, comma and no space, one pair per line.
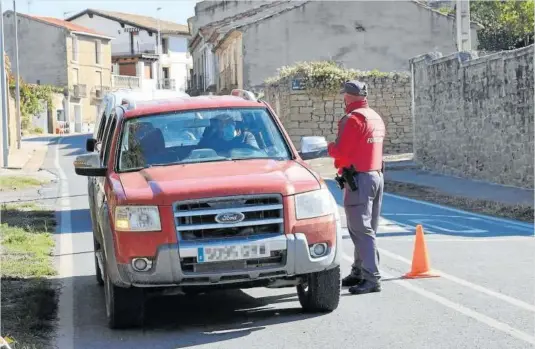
314,204
137,218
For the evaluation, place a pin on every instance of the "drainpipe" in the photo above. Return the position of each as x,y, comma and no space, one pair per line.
413,118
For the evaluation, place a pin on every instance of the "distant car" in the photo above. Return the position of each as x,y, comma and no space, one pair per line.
177,208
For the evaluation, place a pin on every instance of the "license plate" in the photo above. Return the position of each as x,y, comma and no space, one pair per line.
231,253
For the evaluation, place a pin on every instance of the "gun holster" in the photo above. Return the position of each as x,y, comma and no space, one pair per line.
347,177
340,181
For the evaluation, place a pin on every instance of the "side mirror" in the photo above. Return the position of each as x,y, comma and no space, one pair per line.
89,165
313,147
90,145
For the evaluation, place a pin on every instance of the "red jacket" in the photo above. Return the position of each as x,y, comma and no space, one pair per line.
360,139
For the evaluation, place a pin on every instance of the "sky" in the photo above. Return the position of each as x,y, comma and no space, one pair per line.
172,10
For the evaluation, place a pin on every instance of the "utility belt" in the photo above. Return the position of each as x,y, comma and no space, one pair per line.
348,177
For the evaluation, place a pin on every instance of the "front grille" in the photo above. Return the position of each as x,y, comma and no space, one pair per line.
196,220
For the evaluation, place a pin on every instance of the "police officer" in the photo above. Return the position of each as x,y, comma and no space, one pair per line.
359,150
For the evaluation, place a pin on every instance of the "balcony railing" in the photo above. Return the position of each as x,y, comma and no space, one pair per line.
98,92
167,84
79,91
124,81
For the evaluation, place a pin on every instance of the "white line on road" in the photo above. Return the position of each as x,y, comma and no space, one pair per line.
525,226
460,308
468,284
402,239
66,305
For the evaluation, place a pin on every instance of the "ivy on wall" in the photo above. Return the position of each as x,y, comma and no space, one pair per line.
30,97
324,77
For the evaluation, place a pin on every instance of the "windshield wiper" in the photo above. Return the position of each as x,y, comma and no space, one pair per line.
261,158
200,160
133,169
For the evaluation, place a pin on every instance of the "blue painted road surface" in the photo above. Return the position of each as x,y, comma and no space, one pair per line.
484,297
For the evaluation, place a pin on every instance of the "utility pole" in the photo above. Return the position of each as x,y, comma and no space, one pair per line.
17,76
158,75
462,17
3,93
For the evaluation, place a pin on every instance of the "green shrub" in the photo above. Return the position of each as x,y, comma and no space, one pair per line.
324,77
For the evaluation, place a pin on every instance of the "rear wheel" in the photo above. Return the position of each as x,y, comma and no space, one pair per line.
321,291
125,307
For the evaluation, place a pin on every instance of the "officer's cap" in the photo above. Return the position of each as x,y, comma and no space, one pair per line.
355,87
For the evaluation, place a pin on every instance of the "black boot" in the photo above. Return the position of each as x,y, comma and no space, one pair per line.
365,287
352,280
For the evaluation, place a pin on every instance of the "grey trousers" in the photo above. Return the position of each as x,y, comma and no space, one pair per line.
363,208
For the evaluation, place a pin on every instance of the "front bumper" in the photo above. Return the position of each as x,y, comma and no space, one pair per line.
166,269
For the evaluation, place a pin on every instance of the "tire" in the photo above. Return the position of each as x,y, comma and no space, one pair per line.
125,307
98,272
321,291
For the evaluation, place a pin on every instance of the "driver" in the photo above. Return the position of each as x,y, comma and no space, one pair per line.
227,136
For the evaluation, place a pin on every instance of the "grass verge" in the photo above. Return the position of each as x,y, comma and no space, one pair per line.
18,182
29,298
518,212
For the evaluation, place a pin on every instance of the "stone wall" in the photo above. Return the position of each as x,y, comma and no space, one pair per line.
307,114
474,116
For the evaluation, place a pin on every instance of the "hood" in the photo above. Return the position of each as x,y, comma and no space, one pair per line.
167,184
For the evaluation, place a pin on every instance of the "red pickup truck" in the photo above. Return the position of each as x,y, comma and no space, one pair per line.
200,193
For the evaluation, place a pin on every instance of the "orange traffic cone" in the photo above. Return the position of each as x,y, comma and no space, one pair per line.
420,260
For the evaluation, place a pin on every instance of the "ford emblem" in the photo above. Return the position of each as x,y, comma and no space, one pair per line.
229,217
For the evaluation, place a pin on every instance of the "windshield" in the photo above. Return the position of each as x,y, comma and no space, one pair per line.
200,136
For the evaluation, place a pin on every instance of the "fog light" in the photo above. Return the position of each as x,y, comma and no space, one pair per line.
318,250
141,264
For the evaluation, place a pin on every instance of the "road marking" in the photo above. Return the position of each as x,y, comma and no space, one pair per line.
466,213
460,308
65,338
402,239
468,284
466,230
411,228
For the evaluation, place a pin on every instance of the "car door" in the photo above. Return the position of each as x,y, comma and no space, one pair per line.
104,154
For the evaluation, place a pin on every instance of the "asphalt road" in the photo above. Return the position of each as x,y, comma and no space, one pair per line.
484,297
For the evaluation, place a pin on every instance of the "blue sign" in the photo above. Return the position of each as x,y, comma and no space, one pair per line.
298,84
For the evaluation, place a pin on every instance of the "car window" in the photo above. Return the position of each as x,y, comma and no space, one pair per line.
108,132
200,136
101,127
100,117
109,139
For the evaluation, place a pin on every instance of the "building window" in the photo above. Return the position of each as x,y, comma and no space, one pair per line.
165,46
98,81
75,76
98,52
75,48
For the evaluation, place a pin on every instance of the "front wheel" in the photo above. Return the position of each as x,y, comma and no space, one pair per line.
125,307
321,291
98,272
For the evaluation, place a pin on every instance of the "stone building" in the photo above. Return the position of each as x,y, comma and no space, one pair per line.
251,45
59,53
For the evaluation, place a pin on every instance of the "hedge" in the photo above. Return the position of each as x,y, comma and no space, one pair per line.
325,77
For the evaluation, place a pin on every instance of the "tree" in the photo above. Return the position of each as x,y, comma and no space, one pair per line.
508,23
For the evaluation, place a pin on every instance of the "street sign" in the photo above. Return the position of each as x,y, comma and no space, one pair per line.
298,84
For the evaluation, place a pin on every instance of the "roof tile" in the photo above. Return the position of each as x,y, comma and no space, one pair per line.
67,25
166,27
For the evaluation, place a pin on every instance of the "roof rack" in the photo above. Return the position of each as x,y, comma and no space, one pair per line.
247,95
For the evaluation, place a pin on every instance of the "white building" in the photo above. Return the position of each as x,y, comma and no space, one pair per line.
137,59
206,75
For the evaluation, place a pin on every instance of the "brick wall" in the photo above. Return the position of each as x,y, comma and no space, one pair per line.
474,116
305,114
